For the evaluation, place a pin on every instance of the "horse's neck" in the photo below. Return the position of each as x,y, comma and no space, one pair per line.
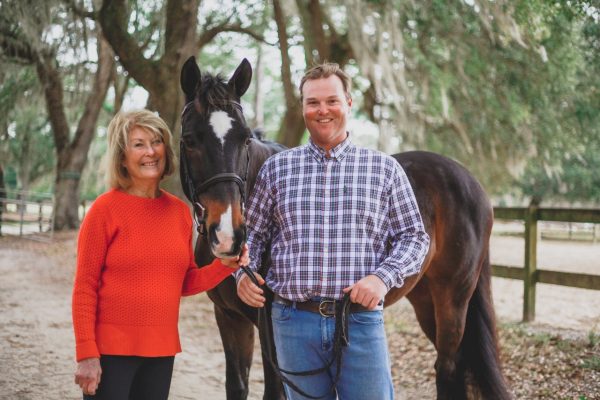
259,152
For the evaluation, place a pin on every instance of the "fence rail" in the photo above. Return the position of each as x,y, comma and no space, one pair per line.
26,212
27,208
530,274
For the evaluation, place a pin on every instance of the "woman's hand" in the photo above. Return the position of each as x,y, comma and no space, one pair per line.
236,262
88,375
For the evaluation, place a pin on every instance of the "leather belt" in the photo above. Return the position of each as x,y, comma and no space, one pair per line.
325,307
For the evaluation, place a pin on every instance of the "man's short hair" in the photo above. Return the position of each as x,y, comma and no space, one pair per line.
325,70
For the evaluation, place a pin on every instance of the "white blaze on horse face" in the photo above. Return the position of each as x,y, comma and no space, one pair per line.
224,233
221,124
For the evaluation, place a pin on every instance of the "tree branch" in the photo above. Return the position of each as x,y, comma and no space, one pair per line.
286,73
209,34
54,94
80,11
113,18
85,127
16,48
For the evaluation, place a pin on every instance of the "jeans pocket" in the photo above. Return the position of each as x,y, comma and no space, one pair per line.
367,317
280,312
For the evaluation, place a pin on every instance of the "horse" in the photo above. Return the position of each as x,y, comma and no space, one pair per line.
220,159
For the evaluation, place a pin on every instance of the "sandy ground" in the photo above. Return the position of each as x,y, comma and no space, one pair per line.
36,339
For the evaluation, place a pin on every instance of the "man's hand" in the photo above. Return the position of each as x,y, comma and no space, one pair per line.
236,262
368,292
249,292
88,375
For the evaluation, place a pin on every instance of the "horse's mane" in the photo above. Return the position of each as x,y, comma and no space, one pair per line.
259,133
213,94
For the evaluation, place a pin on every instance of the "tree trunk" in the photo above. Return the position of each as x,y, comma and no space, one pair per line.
2,196
72,155
159,77
316,43
292,124
24,171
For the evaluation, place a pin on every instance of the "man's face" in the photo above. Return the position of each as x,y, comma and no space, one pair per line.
325,108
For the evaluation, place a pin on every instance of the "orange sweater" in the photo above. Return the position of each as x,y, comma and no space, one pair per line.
134,262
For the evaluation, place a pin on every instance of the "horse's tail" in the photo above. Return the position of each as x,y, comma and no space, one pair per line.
479,352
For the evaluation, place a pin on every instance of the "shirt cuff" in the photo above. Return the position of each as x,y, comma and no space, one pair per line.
389,276
86,349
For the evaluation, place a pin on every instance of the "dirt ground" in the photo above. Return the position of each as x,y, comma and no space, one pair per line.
556,357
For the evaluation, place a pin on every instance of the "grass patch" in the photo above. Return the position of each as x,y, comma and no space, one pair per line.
592,363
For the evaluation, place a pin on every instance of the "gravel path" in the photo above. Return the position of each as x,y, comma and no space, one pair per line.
36,350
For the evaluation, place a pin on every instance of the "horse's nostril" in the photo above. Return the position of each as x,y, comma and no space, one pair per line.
212,234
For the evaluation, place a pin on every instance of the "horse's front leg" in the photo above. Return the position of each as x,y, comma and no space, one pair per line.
237,335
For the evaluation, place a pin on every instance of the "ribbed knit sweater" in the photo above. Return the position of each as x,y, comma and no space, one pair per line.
134,262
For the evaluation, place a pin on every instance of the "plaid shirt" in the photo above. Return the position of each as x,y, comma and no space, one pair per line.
332,221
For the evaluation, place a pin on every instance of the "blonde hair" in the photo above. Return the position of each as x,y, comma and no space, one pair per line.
325,70
118,136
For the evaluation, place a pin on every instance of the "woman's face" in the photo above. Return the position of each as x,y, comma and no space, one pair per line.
144,157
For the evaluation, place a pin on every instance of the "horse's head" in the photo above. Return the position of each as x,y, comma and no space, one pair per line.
214,154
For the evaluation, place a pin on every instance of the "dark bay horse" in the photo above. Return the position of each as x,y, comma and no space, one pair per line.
220,158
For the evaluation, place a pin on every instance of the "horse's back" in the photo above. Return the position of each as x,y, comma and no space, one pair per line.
444,188
457,213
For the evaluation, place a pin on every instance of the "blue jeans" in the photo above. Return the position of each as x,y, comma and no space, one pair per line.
304,341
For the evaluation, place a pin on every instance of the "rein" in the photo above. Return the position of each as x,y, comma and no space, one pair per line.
340,340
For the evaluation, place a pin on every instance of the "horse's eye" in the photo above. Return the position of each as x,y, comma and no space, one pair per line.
189,140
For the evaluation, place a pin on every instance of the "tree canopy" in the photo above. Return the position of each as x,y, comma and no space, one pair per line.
509,87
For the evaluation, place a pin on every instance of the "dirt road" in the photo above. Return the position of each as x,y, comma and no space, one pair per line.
36,339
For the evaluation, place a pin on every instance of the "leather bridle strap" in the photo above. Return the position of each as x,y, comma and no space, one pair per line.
225,177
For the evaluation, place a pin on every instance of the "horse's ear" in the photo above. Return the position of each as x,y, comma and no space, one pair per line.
241,78
190,76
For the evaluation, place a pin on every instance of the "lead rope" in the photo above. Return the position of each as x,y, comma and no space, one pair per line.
340,340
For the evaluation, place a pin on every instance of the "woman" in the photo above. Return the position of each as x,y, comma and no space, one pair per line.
134,262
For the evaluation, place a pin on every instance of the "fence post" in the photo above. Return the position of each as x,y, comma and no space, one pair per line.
530,270
40,215
21,208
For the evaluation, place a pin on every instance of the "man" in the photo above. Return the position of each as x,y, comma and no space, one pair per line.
340,219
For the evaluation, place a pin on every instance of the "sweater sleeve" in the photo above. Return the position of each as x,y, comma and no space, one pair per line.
92,245
199,280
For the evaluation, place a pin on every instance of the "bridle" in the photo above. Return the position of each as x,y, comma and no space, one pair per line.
194,190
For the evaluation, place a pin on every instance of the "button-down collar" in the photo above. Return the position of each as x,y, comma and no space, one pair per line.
337,153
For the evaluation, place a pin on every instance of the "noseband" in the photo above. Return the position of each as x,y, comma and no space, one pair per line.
195,190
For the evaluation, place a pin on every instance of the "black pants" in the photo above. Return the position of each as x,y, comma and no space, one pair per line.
134,378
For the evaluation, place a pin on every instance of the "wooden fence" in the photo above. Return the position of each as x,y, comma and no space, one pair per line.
530,274
24,208
24,212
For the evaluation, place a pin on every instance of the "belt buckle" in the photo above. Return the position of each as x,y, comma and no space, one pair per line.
323,308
